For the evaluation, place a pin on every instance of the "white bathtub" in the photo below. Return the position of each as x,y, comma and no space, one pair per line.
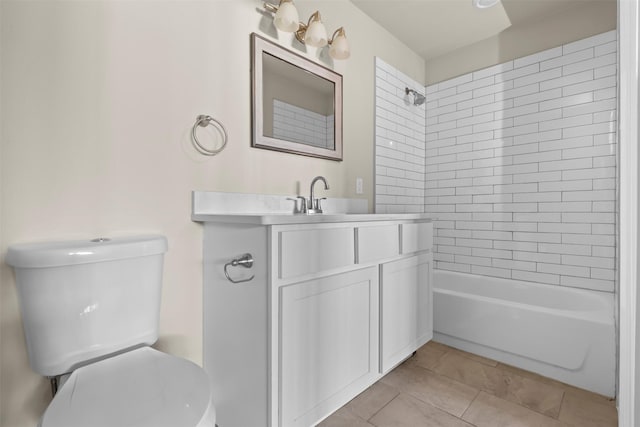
562,333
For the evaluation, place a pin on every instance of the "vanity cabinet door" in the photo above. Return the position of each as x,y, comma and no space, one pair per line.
328,344
406,316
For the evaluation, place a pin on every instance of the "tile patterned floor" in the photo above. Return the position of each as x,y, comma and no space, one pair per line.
444,387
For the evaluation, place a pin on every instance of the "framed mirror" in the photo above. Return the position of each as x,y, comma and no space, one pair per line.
296,103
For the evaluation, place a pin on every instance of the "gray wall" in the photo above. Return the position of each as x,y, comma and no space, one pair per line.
583,19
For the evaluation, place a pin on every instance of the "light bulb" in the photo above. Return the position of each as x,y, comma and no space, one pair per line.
316,34
339,45
286,18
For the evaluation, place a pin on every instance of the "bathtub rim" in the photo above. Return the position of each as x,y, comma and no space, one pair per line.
603,313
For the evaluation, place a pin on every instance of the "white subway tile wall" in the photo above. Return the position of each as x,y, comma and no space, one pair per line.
520,167
517,163
297,124
400,143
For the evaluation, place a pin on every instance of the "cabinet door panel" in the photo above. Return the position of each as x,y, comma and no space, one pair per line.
406,308
328,344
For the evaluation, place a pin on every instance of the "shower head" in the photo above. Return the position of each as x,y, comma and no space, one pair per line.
418,98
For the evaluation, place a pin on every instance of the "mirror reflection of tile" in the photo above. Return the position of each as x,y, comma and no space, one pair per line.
293,123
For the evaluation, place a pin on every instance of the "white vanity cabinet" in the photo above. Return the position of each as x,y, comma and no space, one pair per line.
335,302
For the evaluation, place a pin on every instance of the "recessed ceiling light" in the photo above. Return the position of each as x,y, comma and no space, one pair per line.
484,4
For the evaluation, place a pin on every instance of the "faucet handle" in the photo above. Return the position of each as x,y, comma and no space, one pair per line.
295,203
303,204
316,204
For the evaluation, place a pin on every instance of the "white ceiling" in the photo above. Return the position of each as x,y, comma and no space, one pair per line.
434,27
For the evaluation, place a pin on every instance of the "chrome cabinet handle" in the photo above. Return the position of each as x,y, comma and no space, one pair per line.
245,261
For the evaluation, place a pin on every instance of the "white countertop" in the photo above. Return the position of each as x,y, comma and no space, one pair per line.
264,209
284,218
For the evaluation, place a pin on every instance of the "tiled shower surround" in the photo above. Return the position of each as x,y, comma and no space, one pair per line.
520,168
400,149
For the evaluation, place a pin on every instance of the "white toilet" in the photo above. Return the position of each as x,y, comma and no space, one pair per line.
90,309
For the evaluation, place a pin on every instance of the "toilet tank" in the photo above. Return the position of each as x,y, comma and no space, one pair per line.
84,300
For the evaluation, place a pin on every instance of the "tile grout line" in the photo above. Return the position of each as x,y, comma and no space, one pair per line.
461,417
383,406
564,393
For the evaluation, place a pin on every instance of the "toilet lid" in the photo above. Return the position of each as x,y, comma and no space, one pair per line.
140,388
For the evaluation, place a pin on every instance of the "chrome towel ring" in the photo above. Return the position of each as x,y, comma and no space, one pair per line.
205,121
245,261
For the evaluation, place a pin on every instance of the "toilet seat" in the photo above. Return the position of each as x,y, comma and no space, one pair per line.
139,388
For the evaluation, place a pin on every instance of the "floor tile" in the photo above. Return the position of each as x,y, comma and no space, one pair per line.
590,396
407,411
343,417
443,387
370,401
437,390
470,372
581,393
436,346
491,411
427,356
528,374
543,398
586,412
538,396
475,357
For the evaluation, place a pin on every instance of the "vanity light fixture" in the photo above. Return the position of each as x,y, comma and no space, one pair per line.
313,33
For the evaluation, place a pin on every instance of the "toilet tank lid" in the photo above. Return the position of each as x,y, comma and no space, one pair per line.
61,253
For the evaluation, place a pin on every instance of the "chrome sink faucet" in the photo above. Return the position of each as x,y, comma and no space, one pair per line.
314,204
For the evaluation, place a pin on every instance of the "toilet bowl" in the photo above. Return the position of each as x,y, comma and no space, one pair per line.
90,311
